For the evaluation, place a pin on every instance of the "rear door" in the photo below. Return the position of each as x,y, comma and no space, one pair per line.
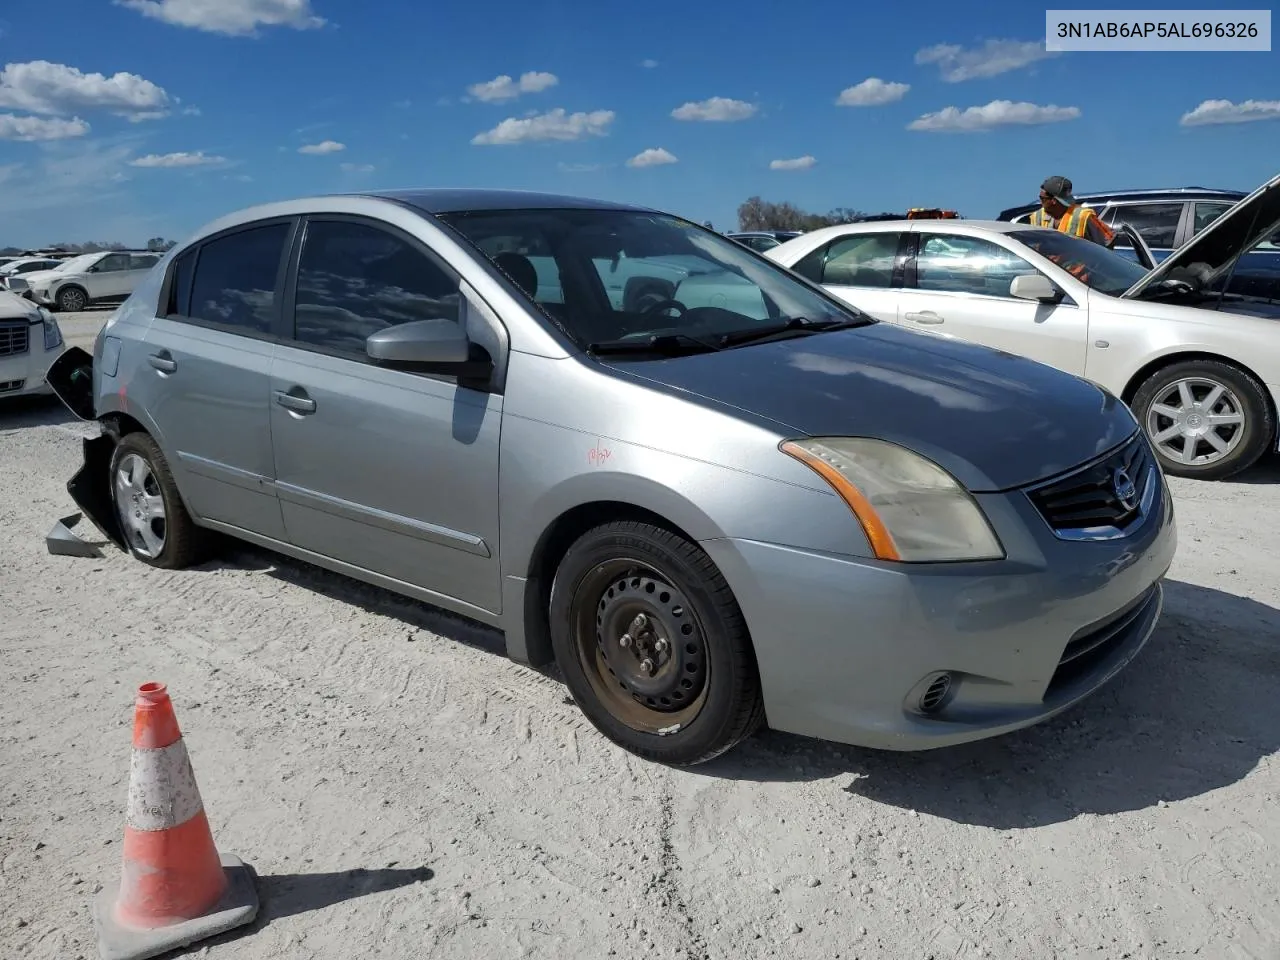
959,285
863,269
140,265
392,471
205,373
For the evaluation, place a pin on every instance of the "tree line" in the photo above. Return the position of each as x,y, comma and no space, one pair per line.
758,214
155,245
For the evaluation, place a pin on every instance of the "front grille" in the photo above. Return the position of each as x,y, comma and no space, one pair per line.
14,338
1095,643
9,386
1088,498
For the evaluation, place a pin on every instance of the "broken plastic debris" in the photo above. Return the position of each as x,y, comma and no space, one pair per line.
61,542
667,731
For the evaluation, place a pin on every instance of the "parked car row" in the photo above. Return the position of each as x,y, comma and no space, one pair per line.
1194,353
90,279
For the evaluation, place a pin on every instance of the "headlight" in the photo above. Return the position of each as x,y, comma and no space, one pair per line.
911,509
52,332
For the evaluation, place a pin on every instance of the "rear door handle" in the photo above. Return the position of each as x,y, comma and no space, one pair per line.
297,402
925,316
163,361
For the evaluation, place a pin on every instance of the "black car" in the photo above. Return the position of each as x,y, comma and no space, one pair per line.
762,240
1167,218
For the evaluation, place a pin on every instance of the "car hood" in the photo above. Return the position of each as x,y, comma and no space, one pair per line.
1241,228
36,276
994,420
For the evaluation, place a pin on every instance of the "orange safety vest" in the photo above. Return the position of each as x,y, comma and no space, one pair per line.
1074,222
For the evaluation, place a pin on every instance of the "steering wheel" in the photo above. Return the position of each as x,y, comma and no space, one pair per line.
665,304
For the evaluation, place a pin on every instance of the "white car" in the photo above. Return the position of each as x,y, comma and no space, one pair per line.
30,340
1199,368
108,276
22,266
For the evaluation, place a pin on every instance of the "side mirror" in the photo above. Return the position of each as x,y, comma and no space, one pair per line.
429,346
1034,286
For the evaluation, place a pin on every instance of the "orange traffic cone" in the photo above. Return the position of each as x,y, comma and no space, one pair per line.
176,889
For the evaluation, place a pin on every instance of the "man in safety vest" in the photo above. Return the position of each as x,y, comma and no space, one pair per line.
1059,211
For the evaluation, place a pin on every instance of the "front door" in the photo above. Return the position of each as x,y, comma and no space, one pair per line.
391,471
204,377
961,287
110,278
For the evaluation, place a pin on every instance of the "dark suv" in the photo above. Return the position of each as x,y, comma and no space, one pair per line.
1166,219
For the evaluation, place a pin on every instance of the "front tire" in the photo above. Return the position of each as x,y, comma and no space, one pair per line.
653,646
153,520
1206,419
71,300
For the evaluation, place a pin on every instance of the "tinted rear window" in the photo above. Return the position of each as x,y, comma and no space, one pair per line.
235,278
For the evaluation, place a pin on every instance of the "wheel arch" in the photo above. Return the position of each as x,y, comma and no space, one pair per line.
69,285
549,550
1159,363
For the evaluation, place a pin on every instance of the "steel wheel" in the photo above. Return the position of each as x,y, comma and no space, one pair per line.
140,505
71,300
641,646
1196,421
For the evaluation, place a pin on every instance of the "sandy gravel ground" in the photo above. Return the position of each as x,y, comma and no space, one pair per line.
404,791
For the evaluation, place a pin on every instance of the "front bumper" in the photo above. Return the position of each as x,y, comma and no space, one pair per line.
24,374
847,646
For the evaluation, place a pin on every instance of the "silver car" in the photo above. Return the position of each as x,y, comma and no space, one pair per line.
742,502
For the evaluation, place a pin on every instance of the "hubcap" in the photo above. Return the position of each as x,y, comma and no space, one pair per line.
140,505
1196,421
73,300
641,646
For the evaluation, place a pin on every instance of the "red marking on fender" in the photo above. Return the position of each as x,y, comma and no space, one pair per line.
597,455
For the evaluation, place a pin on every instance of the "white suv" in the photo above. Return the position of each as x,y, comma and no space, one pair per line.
92,278
30,340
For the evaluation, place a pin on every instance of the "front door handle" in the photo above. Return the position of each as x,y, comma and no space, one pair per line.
163,361
924,316
297,402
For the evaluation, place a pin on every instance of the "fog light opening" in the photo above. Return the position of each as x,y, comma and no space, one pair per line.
936,694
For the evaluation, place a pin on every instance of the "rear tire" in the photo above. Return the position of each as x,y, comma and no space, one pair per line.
153,520
683,687
1206,419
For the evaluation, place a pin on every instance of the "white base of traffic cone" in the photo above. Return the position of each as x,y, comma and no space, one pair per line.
238,906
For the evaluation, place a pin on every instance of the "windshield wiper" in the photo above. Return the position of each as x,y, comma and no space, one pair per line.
671,344
801,325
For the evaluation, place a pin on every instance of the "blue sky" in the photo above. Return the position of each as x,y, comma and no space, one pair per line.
126,119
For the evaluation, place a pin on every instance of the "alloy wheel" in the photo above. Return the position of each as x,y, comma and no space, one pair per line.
1196,421
140,505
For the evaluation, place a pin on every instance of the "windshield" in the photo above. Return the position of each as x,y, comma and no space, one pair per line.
618,275
1104,270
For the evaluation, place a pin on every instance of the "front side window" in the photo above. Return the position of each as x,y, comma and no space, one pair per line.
355,279
235,278
633,275
113,263
956,264
1156,223
1093,264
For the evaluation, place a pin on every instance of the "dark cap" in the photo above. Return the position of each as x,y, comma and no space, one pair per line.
1058,188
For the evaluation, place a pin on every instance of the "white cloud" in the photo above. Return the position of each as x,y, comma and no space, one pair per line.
997,113
236,18
172,160
504,88
715,109
553,125
648,64
956,64
872,92
1224,111
653,157
799,163
31,129
356,167
323,147
54,88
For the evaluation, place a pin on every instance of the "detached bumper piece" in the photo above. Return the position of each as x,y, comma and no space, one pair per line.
90,488
61,542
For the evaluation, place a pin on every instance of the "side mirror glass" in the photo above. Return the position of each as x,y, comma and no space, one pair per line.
1034,286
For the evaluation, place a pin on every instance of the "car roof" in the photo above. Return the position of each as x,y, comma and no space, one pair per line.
461,199
1154,194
